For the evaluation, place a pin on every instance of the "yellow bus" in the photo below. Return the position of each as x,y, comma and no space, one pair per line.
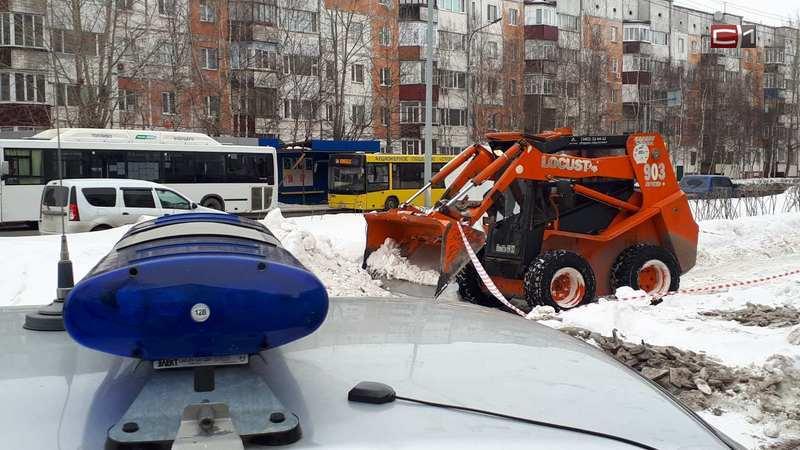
378,181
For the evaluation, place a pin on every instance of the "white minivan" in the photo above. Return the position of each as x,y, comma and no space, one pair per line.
90,204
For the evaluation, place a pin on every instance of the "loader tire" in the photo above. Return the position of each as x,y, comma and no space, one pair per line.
659,263
561,279
469,287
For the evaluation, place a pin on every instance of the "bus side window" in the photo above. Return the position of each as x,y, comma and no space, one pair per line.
435,168
408,175
377,177
24,166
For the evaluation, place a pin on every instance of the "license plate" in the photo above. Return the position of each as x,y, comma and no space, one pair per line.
200,361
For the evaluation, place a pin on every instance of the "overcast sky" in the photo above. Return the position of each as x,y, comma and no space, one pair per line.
769,12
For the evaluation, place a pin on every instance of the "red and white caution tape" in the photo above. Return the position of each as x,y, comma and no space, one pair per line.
487,281
718,287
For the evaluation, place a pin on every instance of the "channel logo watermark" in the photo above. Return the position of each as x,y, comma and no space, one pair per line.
733,36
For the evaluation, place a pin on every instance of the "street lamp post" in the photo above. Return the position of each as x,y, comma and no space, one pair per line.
468,78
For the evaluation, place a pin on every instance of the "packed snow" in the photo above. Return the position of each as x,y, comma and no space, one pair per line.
388,261
332,246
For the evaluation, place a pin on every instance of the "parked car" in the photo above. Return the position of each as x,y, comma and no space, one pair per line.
700,185
90,204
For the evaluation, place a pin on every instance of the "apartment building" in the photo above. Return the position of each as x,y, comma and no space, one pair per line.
353,69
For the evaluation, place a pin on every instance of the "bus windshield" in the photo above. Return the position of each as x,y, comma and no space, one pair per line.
347,180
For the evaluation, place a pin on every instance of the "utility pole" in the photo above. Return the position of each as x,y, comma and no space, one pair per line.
429,103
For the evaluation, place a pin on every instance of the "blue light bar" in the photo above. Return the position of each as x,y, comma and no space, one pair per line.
193,285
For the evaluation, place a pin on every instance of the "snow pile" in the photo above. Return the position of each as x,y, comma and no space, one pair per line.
29,264
337,266
388,262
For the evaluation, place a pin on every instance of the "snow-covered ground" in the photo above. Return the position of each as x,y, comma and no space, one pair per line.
332,246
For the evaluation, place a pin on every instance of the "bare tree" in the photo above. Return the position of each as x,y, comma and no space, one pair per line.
91,43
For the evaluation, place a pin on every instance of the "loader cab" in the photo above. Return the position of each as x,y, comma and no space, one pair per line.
517,221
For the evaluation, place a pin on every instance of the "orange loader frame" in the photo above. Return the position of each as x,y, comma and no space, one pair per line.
657,213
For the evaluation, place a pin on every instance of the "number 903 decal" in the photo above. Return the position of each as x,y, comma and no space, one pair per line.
654,174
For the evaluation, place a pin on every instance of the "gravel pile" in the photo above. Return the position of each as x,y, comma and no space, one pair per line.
771,393
759,315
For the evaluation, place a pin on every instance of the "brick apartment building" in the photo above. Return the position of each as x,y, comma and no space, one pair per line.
355,69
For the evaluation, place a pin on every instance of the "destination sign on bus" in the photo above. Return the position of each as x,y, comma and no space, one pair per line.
347,161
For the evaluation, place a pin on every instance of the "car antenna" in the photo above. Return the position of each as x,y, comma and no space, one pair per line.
51,317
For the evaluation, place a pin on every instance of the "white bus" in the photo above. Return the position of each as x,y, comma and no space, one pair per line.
236,179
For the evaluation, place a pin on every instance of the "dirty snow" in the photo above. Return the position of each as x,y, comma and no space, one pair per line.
388,262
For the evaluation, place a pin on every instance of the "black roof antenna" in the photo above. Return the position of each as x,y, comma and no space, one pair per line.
50,317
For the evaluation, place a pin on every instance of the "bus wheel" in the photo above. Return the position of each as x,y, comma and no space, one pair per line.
101,227
391,203
213,203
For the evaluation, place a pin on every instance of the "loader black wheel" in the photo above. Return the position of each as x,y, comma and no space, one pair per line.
561,279
469,287
650,268
391,203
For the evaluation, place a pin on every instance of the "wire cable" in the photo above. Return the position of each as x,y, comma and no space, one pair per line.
528,421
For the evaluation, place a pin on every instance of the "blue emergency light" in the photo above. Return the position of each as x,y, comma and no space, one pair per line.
195,285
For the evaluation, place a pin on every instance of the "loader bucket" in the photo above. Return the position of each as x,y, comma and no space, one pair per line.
429,241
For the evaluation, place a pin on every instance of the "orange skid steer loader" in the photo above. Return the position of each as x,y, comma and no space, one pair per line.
567,218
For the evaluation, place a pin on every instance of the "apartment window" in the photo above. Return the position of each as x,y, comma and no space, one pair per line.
636,33
27,87
359,114
302,21
513,87
694,46
491,13
328,112
410,147
212,106
513,16
386,116
22,30
209,58
452,5
542,15
411,112
298,109
357,73
540,50
266,12
386,37
614,67
300,65
613,95
613,31
453,117
66,94
450,79
491,86
166,7
207,11
681,45
168,105
492,49
568,22
386,76
538,85
452,41
330,71
659,37
387,3
127,100
774,55
265,59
